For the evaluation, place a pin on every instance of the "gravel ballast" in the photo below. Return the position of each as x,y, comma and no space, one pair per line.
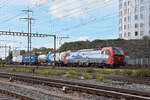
116,84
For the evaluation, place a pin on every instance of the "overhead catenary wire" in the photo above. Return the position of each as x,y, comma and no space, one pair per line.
11,18
66,5
3,3
82,24
76,10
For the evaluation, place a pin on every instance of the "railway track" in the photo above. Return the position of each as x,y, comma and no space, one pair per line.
82,87
145,81
8,95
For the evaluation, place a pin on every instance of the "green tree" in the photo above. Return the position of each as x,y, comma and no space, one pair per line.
8,59
0,59
146,38
22,52
35,50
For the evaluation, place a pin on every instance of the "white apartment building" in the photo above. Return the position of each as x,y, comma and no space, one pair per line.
134,19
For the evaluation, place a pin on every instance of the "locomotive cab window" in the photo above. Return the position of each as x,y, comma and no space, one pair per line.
118,51
108,52
103,52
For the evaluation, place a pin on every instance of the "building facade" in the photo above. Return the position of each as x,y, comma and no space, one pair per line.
134,19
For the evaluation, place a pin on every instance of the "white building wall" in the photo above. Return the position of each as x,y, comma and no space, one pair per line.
134,19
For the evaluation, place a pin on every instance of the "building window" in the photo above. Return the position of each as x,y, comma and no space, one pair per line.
125,19
141,33
120,28
128,26
141,16
136,1
141,25
136,25
142,1
136,17
125,34
128,3
142,8
128,11
129,18
136,33
120,21
136,9
129,34
120,6
125,11
124,26
125,3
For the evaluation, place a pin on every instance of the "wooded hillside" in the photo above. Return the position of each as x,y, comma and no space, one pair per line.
132,48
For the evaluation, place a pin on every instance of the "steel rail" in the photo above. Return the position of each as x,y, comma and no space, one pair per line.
16,95
82,87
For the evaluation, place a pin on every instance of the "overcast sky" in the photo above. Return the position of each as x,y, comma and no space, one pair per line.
78,19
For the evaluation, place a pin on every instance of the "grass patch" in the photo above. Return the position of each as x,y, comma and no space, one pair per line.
144,72
127,72
104,71
12,69
41,72
46,72
107,80
87,76
71,73
100,78
24,70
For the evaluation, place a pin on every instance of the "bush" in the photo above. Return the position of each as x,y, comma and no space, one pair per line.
90,70
87,76
100,78
144,72
134,73
127,72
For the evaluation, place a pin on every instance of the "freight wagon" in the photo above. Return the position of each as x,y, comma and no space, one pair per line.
30,58
17,60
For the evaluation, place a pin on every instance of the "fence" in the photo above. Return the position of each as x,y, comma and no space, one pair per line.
138,61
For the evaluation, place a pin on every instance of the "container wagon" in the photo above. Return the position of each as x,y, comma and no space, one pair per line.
30,58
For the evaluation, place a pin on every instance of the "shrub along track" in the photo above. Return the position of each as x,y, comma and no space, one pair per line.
12,94
82,87
142,80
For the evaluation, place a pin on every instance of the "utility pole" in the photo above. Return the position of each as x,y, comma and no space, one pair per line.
54,49
29,19
5,52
